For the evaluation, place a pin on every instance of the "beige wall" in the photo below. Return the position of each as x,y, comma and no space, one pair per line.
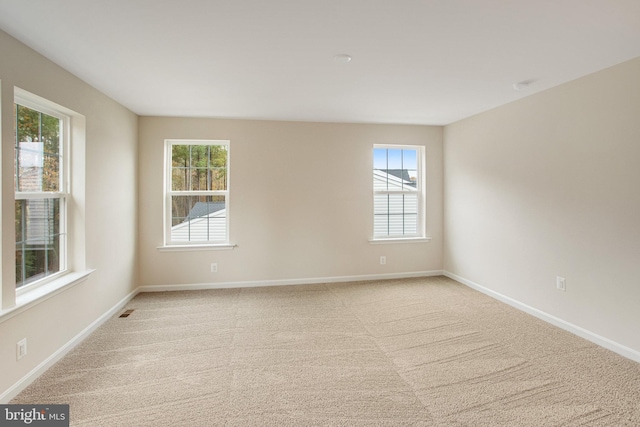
300,202
110,215
549,186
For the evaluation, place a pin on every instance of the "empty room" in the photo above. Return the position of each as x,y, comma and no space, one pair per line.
345,213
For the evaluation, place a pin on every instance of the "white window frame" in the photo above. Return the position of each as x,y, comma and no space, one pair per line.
420,191
168,193
30,101
17,300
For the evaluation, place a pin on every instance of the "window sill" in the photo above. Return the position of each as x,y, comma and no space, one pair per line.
382,241
181,248
42,293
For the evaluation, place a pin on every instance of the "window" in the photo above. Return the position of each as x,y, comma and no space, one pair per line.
48,235
196,192
398,199
41,192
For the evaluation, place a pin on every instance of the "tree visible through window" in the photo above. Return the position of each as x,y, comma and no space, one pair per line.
397,189
197,193
39,195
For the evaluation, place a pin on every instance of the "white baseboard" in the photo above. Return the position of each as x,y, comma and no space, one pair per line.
15,389
622,350
285,282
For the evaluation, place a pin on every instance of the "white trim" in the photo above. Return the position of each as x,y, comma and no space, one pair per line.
622,350
168,192
23,195
15,389
31,297
198,193
420,190
383,241
44,106
287,282
188,141
28,292
200,247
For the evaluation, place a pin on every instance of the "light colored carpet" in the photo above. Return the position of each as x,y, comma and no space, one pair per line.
419,352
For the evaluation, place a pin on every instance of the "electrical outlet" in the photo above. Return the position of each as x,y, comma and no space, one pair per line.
561,283
383,260
214,267
21,349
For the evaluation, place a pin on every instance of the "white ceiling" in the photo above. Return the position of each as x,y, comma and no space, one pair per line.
414,61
